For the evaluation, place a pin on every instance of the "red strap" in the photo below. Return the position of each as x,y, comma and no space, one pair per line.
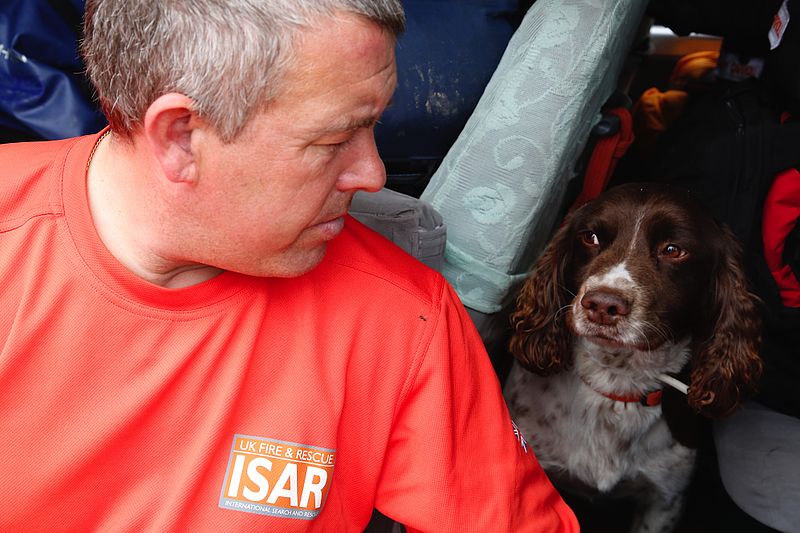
651,399
606,153
781,214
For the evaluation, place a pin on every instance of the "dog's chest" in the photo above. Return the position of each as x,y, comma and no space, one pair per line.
574,429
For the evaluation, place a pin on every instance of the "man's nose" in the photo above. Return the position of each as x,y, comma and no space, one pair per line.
366,172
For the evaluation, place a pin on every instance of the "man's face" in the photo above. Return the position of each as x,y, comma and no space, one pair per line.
271,200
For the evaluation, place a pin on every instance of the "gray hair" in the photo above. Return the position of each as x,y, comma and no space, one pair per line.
226,55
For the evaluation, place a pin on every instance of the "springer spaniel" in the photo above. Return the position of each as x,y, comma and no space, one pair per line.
637,287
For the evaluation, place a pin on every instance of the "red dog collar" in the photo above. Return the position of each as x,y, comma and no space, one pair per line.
648,399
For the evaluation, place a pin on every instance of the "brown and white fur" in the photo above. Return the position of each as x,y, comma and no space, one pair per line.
637,284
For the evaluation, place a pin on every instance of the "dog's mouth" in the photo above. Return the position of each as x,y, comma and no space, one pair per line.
602,340
617,337
612,342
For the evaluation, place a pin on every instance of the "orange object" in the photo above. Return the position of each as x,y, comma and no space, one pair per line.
653,113
692,68
656,110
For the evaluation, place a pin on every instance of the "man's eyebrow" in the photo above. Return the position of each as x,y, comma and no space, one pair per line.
350,124
344,125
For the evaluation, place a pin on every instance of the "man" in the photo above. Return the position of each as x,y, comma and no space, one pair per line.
193,334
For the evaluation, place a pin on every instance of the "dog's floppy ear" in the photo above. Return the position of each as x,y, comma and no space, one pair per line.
541,339
726,366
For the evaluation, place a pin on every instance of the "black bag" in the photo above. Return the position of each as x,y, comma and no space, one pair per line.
727,148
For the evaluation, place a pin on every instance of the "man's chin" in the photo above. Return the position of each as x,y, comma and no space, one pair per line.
293,264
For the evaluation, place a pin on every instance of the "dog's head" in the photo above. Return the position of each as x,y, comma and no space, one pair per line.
641,266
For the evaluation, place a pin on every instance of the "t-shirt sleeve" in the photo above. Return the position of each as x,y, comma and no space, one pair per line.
454,461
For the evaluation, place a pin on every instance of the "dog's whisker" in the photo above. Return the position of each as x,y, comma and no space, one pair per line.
663,331
561,310
566,289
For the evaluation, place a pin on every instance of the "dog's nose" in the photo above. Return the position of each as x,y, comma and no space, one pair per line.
604,307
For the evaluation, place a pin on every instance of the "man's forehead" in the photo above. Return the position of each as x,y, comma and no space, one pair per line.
343,77
345,39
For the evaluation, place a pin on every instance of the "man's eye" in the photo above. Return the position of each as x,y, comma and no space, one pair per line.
589,238
335,144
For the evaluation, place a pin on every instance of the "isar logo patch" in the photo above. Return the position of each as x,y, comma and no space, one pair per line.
277,478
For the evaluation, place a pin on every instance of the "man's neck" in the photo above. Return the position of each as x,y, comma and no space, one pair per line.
129,218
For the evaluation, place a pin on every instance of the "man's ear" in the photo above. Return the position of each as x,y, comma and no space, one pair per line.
168,127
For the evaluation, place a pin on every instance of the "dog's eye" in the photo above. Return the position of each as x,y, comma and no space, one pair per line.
589,238
673,251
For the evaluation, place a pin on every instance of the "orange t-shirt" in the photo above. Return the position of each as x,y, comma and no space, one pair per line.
239,404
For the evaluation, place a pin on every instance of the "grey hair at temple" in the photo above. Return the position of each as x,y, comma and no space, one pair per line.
227,56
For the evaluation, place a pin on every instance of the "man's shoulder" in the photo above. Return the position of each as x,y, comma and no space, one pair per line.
380,264
28,156
25,169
